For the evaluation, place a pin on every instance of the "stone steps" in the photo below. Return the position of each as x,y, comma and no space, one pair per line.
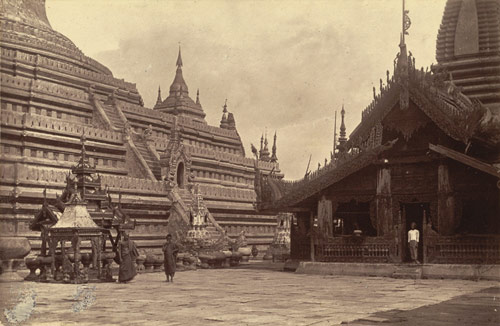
150,159
408,272
113,116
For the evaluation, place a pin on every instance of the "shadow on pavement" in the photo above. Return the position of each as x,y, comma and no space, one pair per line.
478,308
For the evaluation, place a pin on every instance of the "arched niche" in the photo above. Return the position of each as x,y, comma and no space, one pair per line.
180,174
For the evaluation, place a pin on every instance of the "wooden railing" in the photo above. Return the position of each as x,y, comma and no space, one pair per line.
356,249
467,249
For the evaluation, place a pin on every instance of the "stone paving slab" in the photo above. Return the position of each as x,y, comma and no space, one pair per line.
235,297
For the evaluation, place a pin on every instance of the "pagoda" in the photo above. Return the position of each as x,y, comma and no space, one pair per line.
147,157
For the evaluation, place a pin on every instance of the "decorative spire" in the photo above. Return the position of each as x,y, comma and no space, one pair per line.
179,87
274,158
402,62
179,59
223,121
158,100
342,124
198,96
261,145
265,151
342,138
335,134
83,170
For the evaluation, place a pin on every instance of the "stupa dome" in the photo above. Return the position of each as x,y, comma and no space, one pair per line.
468,48
25,25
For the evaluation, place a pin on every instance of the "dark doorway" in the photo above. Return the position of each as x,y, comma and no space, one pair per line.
180,175
414,213
352,216
300,236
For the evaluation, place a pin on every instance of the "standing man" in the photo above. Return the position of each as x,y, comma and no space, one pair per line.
127,254
413,237
170,251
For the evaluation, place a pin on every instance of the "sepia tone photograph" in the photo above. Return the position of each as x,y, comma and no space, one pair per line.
250,162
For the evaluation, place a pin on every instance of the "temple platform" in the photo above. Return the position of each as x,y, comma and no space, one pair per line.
409,271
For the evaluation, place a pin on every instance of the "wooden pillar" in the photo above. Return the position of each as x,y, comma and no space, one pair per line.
63,256
447,220
311,232
384,201
99,257
43,249
52,246
76,266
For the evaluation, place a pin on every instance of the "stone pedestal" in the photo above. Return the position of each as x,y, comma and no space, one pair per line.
245,254
140,263
9,270
149,263
33,264
12,252
158,264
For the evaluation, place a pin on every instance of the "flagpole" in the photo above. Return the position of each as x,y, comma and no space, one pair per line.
403,21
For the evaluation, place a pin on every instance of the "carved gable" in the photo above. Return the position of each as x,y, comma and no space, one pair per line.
406,122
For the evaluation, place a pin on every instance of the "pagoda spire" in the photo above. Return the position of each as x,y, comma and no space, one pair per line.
223,121
158,99
231,123
178,101
179,59
274,158
179,89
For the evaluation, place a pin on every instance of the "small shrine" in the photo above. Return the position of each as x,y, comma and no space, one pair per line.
198,218
75,225
280,247
83,212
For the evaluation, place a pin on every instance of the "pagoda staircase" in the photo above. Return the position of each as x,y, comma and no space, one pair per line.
149,157
113,116
186,197
116,120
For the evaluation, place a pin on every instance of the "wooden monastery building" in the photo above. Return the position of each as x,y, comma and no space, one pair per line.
427,151
147,159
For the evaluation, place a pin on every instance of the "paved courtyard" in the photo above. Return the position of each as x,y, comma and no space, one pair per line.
252,296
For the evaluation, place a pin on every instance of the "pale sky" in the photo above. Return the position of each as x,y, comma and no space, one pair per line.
282,65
